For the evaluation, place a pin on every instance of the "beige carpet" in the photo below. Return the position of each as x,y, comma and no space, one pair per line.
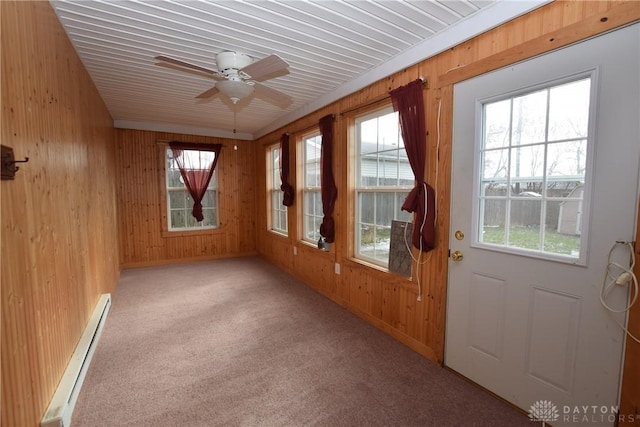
237,342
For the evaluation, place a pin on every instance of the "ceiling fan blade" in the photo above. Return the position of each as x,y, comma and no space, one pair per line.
185,65
281,99
208,93
265,66
186,70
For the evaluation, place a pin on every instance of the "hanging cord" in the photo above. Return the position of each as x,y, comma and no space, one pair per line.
622,278
418,260
234,118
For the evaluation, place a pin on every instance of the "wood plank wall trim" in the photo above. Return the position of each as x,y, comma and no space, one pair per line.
59,239
615,17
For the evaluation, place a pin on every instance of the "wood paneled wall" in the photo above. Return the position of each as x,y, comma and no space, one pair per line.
388,301
60,248
140,186
59,239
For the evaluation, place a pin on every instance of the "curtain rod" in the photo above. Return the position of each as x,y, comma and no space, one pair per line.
425,85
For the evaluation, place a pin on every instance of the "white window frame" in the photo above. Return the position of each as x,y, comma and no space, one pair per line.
311,214
278,213
478,213
400,191
171,168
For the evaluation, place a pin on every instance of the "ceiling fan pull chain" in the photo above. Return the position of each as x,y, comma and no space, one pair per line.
234,119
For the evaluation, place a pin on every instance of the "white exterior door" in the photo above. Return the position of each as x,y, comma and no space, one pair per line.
545,167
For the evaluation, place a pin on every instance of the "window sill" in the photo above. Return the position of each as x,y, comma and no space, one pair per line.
380,272
314,248
278,234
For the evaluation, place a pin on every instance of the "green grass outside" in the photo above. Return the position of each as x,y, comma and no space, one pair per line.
520,237
528,238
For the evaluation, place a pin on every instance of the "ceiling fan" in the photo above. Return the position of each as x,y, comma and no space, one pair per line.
237,76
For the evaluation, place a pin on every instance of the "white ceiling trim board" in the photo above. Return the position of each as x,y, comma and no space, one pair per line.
176,128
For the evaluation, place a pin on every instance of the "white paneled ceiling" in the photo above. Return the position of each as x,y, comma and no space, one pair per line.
333,48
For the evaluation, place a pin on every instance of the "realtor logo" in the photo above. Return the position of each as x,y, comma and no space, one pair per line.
543,410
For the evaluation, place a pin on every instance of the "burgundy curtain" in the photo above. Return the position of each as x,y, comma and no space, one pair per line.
196,169
286,186
327,181
409,103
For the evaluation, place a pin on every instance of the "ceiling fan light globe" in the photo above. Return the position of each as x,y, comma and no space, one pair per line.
234,89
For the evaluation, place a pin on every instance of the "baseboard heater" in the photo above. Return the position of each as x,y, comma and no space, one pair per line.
61,407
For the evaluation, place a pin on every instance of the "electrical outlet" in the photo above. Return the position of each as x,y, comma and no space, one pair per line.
295,250
337,268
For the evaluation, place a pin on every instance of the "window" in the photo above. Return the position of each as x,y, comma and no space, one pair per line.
278,212
312,199
180,202
383,181
533,168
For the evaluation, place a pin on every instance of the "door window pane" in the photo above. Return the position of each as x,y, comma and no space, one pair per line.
569,110
567,159
529,118
497,122
493,213
524,223
495,164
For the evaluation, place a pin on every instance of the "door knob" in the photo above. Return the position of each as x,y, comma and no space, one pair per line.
457,256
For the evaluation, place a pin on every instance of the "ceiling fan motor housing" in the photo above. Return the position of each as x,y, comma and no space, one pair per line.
228,60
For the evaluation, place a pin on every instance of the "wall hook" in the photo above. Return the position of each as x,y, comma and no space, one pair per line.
8,163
